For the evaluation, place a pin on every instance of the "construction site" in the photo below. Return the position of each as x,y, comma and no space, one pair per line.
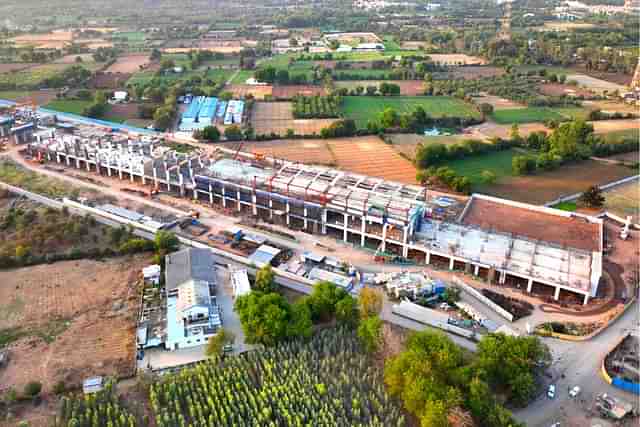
541,249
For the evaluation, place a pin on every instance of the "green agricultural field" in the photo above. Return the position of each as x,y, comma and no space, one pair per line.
537,114
618,135
31,77
364,74
131,36
145,77
12,95
391,44
498,162
241,77
68,105
365,108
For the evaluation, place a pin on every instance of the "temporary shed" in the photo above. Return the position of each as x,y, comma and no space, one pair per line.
321,275
264,255
92,385
240,282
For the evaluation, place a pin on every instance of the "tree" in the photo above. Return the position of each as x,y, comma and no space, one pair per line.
522,165
389,118
370,333
347,310
486,110
162,118
323,300
569,140
264,317
155,55
301,324
592,197
32,389
265,280
370,302
233,133
166,242
210,133
370,90
488,177
215,346
430,155
514,135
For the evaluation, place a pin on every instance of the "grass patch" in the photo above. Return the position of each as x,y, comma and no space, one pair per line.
68,105
498,162
241,77
365,108
391,44
566,206
621,135
525,115
14,174
12,95
7,336
31,77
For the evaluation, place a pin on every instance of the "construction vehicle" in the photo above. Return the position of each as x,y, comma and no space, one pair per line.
611,407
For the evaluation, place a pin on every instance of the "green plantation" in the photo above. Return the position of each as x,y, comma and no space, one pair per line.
362,109
326,381
316,107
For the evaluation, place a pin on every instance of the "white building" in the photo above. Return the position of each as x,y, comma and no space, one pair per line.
192,313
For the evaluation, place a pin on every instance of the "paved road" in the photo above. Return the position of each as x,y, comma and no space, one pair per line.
580,364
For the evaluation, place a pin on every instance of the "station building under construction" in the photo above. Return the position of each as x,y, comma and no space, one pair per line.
540,249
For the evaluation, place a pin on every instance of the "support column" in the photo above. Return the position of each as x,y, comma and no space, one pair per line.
383,246
109,169
451,263
58,159
270,208
68,160
323,227
363,230
306,222
210,194
224,197
288,209
586,299
239,205
405,248
503,277
142,175
155,177
476,270
168,175
195,192
427,258
120,169
255,208
529,285
556,294
344,228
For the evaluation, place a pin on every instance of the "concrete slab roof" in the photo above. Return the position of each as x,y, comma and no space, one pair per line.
534,222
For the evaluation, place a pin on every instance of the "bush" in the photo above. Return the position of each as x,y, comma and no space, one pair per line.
32,389
523,165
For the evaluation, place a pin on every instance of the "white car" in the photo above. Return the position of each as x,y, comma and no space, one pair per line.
574,391
551,393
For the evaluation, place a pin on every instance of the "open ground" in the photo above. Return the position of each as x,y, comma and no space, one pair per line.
624,200
289,91
257,91
277,117
497,102
74,319
595,84
406,143
129,64
548,186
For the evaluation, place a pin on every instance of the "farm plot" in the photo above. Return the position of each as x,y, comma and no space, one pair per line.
365,108
110,80
257,91
607,126
548,186
32,76
406,143
456,59
277,118
407,87
498,162
69,320
472,72
369,155
612,106
536,114
559,89
68,105
289,91
624,200
312,151
497,102
13,67
129,64
596,85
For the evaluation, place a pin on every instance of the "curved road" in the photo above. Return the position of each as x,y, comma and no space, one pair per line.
580,363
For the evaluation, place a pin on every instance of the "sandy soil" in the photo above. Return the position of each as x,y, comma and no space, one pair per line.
289,91
85,310
129,64
258,91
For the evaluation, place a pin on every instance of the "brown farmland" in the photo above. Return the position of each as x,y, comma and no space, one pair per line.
277,117
129,64
77,319
257,91
548,186
14,66
289,91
